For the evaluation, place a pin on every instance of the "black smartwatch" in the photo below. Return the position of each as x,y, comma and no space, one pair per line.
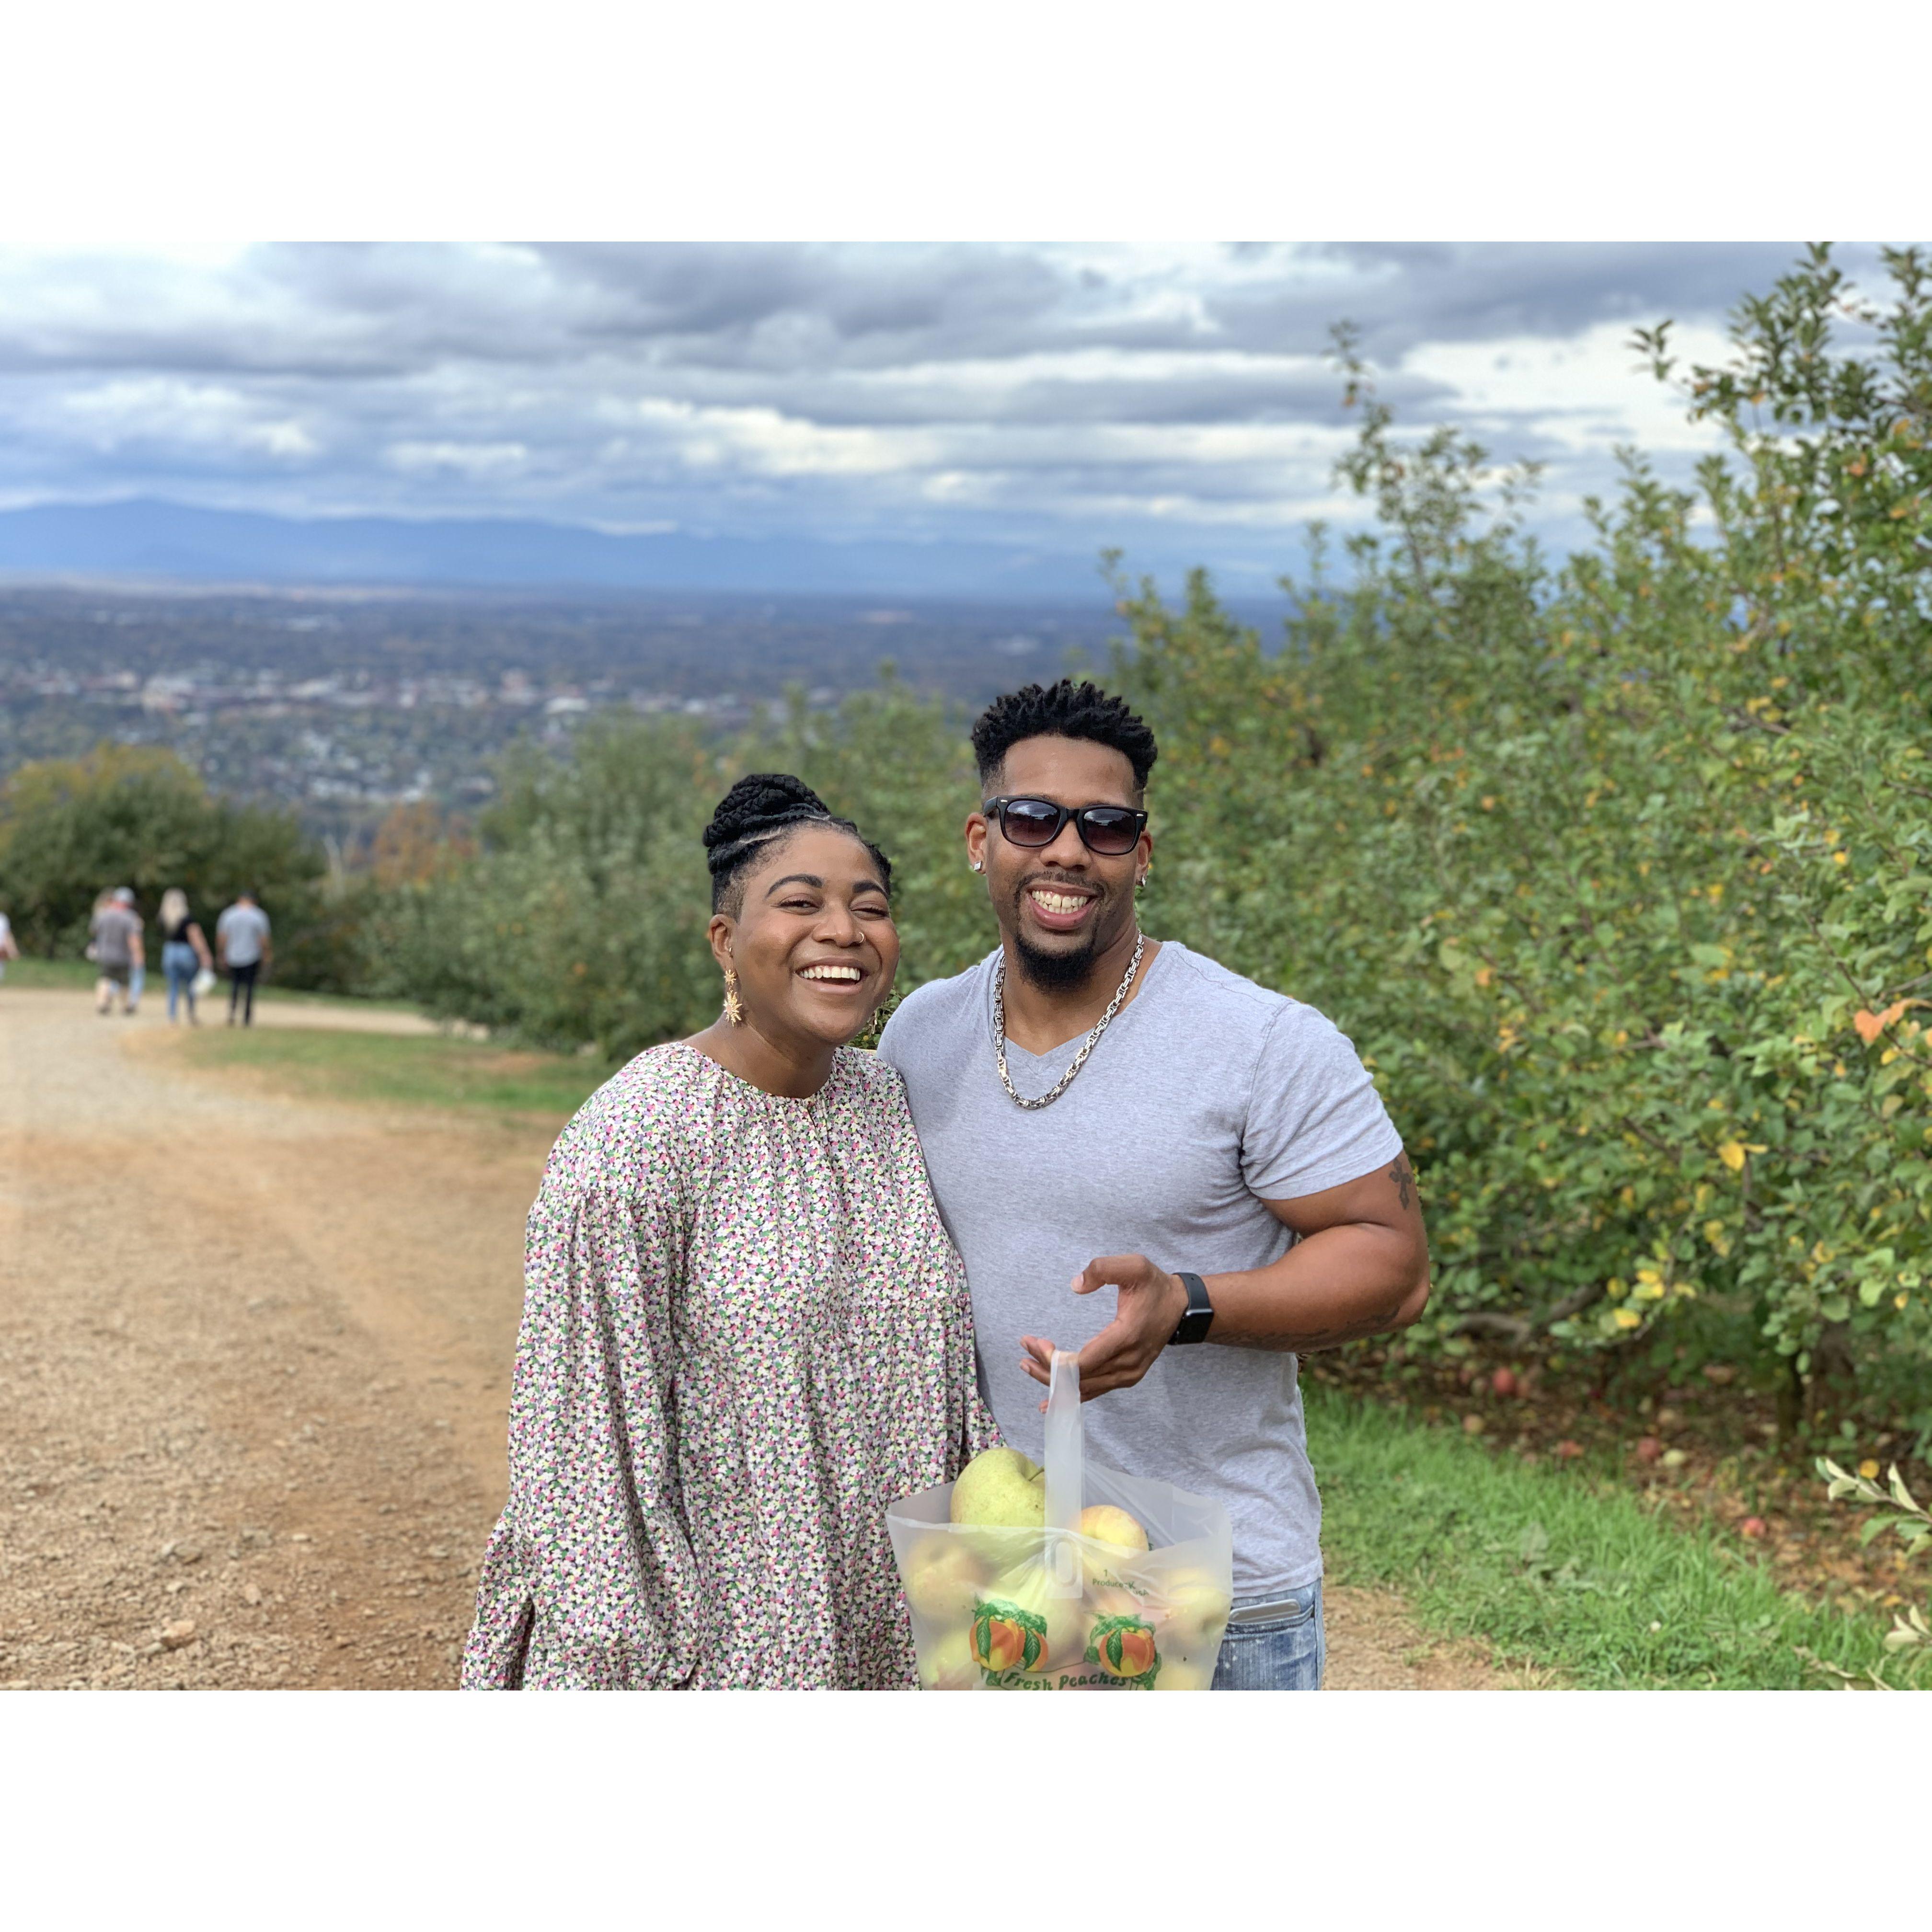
1193,1326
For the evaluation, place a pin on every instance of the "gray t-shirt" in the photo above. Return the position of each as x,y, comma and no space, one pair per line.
114,933
1208,1097
244,928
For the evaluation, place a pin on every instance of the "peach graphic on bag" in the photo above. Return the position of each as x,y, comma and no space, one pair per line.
1123,1647
1006,1637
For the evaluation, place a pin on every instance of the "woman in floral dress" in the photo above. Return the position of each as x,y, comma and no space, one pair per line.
745,1331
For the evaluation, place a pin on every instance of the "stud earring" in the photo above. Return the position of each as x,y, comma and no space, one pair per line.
734,1007
977,866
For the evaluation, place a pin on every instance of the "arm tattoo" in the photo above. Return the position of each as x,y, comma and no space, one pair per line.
1404,1180
1292,1344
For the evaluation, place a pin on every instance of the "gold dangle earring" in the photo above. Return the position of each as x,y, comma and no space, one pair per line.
734,1007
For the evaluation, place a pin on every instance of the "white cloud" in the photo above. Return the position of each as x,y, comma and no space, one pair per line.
158,411
1075,395
479,461
1583,394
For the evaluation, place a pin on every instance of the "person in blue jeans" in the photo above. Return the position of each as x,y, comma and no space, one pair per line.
184,953
1099,1108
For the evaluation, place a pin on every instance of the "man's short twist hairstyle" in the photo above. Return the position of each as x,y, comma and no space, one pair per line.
1062,710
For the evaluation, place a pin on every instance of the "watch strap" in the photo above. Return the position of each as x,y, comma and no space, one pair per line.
1193,1326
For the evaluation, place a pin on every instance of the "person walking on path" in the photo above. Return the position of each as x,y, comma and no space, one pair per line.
242,941
8,950
184,952
118,952
1120,1110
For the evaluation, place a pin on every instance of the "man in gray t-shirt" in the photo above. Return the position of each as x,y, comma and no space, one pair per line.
1221,1159
118,951
242,945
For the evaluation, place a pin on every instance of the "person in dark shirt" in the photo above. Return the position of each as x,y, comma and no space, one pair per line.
184,953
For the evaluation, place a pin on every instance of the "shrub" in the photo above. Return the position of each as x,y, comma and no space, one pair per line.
71,829
1618,873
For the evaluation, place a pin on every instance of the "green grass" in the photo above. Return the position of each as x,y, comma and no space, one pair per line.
459,1075
37,975
1560,1567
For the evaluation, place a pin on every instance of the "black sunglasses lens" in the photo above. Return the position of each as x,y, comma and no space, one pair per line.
1029,821
1109,830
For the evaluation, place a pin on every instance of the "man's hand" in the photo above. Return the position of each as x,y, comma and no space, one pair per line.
1151,1303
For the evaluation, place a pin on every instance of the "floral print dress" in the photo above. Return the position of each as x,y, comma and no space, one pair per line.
745,1332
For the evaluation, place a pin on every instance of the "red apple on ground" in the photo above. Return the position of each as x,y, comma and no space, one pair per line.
1504,1382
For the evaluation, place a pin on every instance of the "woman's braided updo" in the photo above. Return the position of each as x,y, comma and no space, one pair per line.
761,808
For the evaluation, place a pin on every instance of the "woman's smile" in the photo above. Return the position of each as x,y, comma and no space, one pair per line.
842,973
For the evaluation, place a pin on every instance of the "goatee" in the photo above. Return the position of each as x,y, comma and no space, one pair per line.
1055,972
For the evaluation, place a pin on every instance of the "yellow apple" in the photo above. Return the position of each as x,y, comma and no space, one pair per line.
1106,1524
1193,1604
1179,1674
1105,1600
948,1665
1001,1489
941,1576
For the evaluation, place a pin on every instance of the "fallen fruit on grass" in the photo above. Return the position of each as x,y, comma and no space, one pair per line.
1648,1448
1752,1526
1473,1425
1567,1450
1505,1383
1001,1489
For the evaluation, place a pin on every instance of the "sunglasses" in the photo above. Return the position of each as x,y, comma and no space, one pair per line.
1110,831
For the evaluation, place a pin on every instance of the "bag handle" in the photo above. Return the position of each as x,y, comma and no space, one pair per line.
1065,1475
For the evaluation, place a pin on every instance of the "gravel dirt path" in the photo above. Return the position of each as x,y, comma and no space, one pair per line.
254,1360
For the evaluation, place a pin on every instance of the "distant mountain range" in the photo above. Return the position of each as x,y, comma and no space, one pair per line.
146,539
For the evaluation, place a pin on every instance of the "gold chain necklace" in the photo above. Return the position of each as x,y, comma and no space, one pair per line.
1092,1040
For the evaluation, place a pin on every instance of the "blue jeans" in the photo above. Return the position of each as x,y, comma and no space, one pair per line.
180,963
1283,1653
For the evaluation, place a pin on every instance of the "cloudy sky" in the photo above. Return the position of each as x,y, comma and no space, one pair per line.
1175,402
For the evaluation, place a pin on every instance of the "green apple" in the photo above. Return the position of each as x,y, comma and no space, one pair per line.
1001,1489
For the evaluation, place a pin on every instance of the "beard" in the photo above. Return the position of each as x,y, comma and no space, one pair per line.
1056,972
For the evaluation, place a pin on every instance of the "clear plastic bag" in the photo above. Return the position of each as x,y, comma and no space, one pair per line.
1053,1609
